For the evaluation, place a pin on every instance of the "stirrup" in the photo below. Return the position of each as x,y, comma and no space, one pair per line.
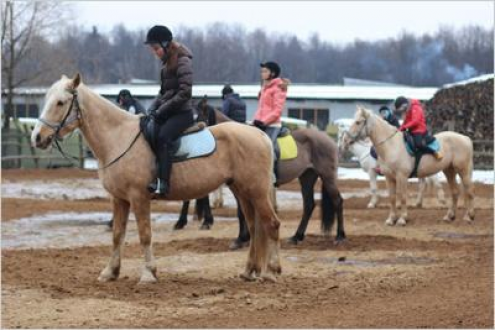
159,187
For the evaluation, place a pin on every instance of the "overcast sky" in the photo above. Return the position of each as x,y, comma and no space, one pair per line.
338,21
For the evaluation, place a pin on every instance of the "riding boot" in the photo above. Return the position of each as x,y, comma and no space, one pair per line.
275,163
162,184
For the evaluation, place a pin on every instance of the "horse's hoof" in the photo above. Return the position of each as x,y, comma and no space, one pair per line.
371,206
248,276
293,240
449,218
148,276
237,245
268,277
205,227
179,226
108,275
339,241
389,222
401,222
469,219
275,268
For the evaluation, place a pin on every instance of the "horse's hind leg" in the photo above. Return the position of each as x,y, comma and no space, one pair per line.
266,238
422,185
208,216
243,237
182,222
141,208
439,189
454,192
120,217
249,214
307,181
468,194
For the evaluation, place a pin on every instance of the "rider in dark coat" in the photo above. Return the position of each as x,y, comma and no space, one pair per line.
172,108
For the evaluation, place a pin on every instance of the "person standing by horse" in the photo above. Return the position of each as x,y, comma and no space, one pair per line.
390,118
233,106
129,103
415,123
272,99
172,108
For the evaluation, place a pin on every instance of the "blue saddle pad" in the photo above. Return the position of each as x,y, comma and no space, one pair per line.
194,145
434,146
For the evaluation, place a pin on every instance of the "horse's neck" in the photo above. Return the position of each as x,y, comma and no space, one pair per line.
105,127
381,136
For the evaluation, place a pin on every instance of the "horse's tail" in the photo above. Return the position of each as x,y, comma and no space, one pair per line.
327,211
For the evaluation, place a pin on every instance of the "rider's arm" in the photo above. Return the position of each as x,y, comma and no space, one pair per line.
184,94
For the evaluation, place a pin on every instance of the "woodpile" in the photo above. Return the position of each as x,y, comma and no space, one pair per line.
466,109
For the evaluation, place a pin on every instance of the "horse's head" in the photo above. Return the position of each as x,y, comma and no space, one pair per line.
61,113
360,128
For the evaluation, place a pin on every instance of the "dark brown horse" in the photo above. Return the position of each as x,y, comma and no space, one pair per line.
317,158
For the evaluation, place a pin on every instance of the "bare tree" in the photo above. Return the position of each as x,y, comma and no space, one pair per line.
23,22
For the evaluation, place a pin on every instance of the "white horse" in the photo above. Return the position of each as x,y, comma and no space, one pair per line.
361,150
390,147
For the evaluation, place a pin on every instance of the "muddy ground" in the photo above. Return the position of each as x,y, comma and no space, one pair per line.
427,274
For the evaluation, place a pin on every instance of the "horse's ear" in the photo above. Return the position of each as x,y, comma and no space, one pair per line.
366,113
76,80
63,77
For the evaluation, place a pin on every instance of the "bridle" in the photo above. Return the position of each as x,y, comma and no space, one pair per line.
355,137
67,119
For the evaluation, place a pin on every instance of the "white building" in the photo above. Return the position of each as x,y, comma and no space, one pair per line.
318,104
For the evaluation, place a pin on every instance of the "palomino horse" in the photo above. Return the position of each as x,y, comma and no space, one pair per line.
127,166
361,150
317,158
390,147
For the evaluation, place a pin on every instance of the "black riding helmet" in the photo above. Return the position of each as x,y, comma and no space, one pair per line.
227,89
400,101
159,34
273,67
123,93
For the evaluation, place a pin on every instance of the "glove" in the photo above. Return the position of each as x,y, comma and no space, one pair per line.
259,124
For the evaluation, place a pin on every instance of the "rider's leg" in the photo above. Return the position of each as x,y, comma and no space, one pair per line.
168,132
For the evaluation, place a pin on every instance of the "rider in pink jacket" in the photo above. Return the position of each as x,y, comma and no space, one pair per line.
271,102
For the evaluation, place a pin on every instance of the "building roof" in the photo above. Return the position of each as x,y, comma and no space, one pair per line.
295,91
471,80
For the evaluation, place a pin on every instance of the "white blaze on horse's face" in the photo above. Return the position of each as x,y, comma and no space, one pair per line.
58,101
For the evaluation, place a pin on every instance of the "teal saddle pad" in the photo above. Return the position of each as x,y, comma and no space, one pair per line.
434,146
194,145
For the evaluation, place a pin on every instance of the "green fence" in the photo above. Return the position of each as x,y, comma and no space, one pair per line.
17,151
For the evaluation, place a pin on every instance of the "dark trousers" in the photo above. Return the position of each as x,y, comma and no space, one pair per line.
168,132
272,133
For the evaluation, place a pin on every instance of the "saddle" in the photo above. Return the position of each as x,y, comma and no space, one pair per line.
429,145
196,141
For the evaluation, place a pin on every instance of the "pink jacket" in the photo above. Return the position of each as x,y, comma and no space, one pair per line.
272,101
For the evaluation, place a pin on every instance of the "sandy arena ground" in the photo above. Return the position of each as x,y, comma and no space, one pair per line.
427,274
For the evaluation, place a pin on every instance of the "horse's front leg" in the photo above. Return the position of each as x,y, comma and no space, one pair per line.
373,189
402,182
120,217
141,208
391,185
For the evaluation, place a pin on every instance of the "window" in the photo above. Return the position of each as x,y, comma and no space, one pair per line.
319,117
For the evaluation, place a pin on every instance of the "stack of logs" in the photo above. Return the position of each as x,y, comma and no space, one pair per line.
466,109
